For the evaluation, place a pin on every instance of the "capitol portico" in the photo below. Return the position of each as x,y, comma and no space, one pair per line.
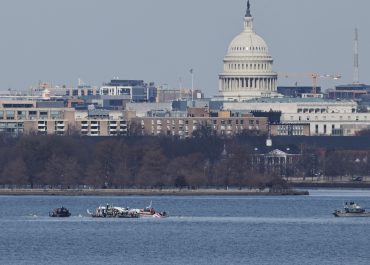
247,70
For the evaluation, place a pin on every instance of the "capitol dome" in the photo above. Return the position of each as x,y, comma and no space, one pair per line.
247,67
247,44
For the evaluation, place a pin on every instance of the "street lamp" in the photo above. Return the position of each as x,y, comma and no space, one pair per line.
192,86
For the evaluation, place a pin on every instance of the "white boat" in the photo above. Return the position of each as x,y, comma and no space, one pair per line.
108,211
149,211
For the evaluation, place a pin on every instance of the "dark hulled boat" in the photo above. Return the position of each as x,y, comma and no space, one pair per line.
351,209
60,212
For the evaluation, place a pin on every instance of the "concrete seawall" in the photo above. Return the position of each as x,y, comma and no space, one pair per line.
149,192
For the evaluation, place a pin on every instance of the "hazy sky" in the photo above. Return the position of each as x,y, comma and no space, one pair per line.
160,40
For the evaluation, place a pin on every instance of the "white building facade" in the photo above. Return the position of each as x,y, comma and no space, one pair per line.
325,117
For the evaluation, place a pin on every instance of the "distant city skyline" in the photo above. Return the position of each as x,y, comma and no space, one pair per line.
162,40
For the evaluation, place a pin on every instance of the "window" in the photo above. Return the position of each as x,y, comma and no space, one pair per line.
55,115
10,115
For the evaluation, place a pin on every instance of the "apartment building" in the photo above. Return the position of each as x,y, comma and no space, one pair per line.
185,126
18,117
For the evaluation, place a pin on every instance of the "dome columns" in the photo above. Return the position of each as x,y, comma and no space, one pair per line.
230,84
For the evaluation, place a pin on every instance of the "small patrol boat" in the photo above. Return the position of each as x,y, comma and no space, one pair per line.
60,212
351,209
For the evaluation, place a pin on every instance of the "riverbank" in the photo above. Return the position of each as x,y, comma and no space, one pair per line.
151,192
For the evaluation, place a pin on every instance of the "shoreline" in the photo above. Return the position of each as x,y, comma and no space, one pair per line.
149,192
347,185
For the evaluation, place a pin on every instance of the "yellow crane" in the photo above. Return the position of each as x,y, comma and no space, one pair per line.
313,76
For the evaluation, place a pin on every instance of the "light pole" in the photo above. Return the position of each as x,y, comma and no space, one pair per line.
192,86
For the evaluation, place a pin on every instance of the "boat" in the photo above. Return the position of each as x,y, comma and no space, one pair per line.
109,211
60,212
149,211
351,209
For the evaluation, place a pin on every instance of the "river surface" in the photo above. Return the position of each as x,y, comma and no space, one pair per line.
200,230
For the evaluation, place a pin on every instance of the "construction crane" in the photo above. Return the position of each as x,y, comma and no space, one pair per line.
313,76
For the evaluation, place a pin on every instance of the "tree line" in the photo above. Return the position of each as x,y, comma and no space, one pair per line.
123,162
143,162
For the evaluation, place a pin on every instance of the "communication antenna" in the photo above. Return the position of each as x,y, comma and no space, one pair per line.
356,78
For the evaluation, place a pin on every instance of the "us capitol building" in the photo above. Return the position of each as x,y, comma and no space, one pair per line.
247,70
248,83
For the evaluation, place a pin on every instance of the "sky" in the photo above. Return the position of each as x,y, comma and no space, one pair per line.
161,40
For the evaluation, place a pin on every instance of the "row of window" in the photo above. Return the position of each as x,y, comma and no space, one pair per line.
289,132
341,118
185,129
21,115
115,91
196,122
317,110
325,129
80,92
249,49
248,66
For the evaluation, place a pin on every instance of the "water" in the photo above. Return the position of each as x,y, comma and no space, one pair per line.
200,230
